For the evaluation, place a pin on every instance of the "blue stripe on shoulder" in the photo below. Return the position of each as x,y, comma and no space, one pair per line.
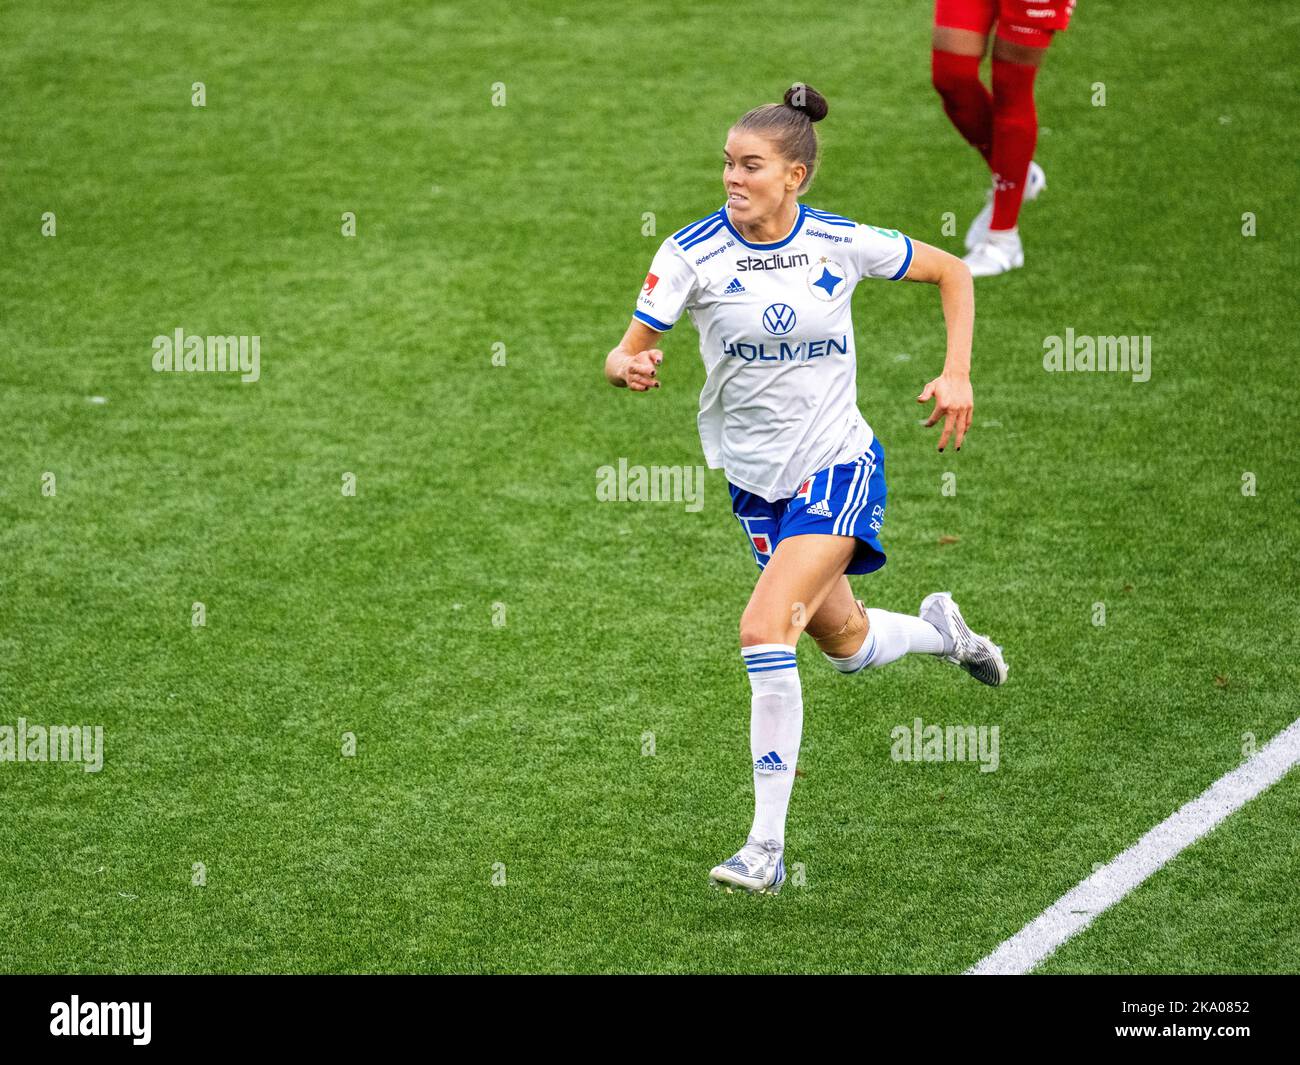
827,214
699,236
685,231
830,219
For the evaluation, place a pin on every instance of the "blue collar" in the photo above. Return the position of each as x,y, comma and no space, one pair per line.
798,225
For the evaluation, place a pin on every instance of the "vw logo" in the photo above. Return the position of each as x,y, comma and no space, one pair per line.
778,319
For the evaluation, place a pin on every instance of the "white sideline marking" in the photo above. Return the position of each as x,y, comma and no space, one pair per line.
1077,908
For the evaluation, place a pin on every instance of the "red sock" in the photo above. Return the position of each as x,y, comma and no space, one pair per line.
1015,132
965,100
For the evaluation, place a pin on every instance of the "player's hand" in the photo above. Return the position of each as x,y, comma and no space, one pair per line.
642,370
953,402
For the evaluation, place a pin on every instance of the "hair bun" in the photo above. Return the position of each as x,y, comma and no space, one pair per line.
807,100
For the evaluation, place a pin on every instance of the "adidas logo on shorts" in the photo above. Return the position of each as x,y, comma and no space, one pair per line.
821,508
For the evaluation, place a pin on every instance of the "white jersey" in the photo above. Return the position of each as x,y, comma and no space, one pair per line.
776,334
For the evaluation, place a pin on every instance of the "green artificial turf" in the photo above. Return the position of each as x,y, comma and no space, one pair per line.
508,739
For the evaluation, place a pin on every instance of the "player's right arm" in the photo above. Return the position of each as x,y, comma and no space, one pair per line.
669,289
634,364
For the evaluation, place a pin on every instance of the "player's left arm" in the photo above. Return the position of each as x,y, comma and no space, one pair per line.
951,390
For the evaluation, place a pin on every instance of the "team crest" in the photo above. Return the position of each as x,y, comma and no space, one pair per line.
827,279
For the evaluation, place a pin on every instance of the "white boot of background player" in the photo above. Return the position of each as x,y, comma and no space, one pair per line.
998,252
1035,182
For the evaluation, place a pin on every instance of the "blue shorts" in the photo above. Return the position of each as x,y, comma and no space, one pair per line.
847,499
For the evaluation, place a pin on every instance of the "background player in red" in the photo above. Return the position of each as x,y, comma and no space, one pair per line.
1002,125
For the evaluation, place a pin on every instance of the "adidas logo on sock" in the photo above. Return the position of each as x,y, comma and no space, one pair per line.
821,508
770,763
733,288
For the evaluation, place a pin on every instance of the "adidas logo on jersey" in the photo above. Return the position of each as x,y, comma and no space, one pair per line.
733,288
821,508
770,763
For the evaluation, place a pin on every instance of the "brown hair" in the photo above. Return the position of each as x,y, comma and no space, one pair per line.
789,126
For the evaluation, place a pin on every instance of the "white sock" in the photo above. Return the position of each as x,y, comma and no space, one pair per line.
775,729
889,637
900,634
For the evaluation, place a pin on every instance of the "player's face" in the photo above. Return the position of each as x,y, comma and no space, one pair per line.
756,176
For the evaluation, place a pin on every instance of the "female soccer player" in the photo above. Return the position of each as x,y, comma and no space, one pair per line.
767,282
1001,126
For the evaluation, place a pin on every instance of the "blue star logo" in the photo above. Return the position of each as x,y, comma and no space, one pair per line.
827,281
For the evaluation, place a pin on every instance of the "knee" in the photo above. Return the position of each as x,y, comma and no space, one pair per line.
953,74
754,633
756,629
847,641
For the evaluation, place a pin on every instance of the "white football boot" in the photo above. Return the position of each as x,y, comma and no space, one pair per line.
977,655
999,252
758,867
1035,182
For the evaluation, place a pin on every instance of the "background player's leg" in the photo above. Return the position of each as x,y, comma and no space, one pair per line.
1015,126
998,248
803,570
955,71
